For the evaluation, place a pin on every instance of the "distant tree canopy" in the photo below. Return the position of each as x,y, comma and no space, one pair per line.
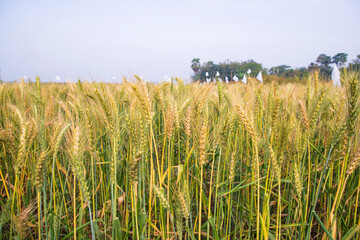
357,60
227,69
323,64
355,64
279,70
288,72
340,59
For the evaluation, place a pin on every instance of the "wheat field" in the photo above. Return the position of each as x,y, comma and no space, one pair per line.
180,161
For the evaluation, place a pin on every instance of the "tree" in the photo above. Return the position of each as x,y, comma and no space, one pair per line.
355,65
340,59
252,65
195,64
357,59
323,59
227,69
287,72
313,67
301,72
279,70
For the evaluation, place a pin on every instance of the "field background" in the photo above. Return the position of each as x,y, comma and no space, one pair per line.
180,161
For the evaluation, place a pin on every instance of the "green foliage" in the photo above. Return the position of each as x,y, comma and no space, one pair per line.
195,65
230,68
355,64
226,69
279,70
323,59
323,62
340,59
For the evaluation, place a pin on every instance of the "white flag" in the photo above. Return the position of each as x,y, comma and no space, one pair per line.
335,76
207,74
226,79
235,78
249,71
259,77
208,80
244,80
217,74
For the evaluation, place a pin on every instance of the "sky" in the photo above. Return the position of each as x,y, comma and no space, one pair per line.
106,40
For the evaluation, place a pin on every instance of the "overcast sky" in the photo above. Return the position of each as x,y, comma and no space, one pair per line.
107,39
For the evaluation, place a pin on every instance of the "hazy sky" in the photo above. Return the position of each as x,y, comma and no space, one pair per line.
79,39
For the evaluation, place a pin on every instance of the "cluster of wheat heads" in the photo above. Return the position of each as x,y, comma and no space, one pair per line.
179,161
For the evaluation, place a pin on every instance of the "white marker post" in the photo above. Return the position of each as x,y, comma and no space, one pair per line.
335,76
259,77
235,78
206,77
244,80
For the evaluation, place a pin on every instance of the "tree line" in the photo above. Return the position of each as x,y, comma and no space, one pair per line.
228,69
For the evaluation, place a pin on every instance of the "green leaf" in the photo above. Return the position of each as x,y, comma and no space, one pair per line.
237,188
214,232
352,231
322,225
77,229
117,228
